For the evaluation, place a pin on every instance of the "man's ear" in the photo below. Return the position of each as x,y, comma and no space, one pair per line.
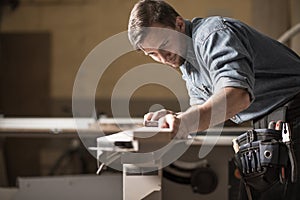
180,24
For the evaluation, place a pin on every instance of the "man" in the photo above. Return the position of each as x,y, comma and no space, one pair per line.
231,70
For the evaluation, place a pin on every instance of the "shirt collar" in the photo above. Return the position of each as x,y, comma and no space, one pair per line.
188,28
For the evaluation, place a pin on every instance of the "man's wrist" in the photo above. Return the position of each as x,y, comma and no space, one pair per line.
184,123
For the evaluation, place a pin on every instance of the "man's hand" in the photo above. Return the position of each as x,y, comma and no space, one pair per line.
178,128
155,116
168,119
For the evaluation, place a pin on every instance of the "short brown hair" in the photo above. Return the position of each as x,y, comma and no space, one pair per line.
144,14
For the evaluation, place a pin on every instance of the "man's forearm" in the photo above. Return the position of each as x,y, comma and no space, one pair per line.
220,107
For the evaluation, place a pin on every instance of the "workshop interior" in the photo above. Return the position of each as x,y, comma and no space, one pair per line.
49,152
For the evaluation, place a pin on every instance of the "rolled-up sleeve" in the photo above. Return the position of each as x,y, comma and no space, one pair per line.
228,60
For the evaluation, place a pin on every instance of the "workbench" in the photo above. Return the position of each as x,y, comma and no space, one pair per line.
134,174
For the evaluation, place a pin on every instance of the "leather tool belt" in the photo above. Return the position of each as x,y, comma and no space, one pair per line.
260,156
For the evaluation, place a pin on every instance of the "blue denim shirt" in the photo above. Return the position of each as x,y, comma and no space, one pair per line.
225,52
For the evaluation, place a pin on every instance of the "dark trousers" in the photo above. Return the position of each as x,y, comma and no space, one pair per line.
288,191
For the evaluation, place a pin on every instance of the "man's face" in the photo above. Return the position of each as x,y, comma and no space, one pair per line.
165,45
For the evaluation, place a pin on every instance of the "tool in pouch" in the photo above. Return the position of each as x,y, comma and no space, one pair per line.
265,156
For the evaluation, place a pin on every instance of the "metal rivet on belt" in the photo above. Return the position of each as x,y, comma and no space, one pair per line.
268,154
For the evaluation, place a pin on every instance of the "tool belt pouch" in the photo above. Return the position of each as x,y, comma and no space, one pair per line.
260,157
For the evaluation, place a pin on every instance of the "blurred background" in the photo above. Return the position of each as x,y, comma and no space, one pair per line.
43,44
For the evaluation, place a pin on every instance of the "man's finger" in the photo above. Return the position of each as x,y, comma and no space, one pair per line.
148,116
170,120
162,123
159,114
